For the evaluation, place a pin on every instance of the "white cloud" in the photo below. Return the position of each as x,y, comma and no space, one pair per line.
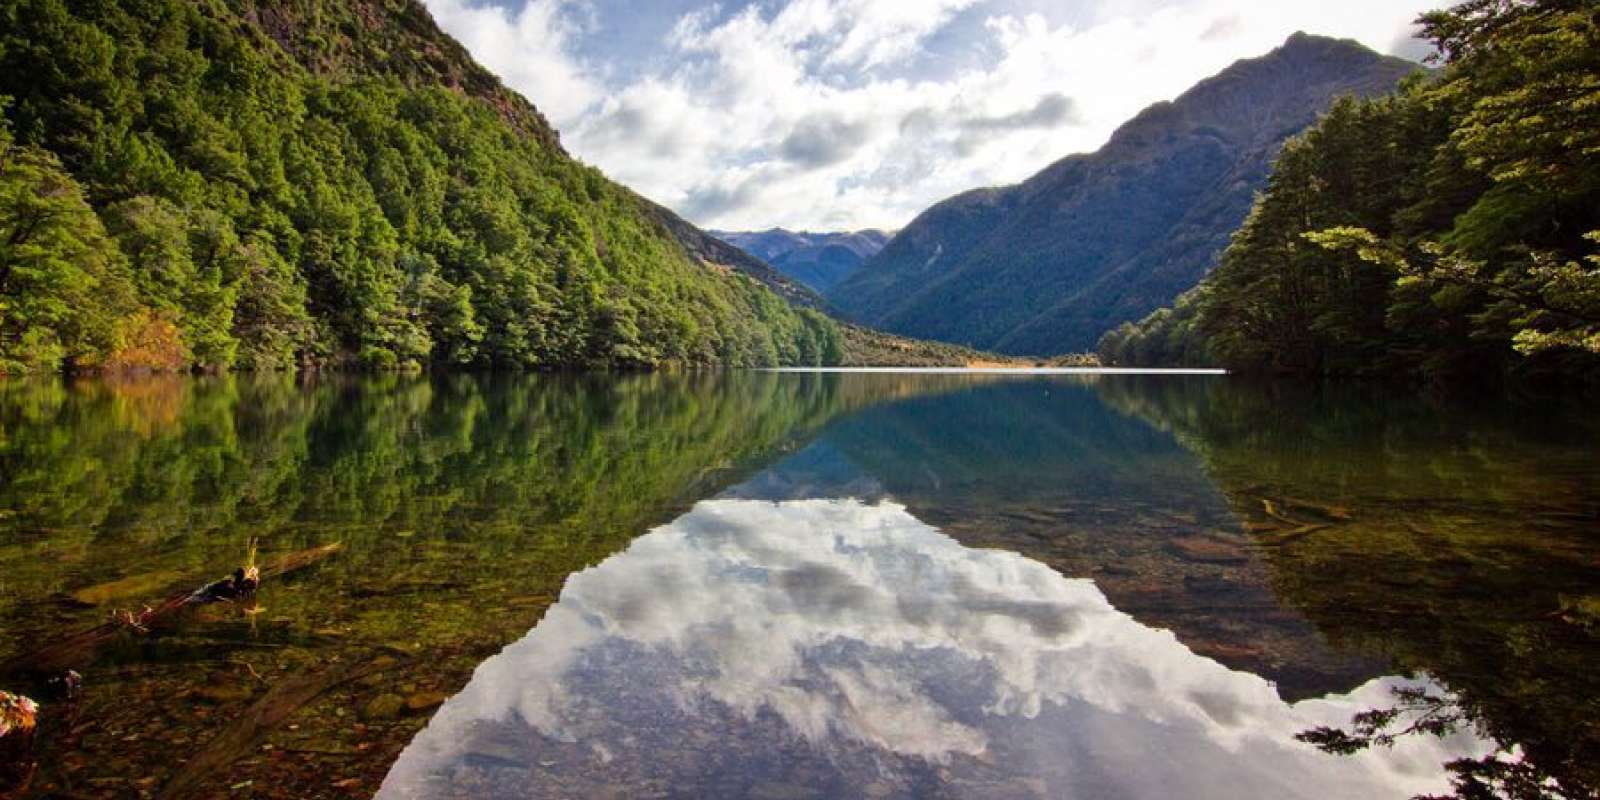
861,628
729,122
528,49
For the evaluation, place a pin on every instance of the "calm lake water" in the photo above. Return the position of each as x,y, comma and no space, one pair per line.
793,585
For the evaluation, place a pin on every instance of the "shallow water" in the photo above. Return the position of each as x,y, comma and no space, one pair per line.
794,585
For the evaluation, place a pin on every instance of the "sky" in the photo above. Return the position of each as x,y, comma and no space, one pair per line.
848,114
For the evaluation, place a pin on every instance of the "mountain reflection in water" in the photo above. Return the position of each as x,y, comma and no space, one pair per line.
834,647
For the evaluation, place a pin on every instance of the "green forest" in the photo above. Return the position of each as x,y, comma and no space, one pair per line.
242,184
1451,229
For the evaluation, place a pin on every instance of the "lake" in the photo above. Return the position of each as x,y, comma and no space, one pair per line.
794,585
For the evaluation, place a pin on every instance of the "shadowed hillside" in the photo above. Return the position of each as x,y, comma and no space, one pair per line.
1048,265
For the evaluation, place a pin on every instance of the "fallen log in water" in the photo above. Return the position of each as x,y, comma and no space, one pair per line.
1324,510
79,648
1272,511
299,560
1283,528
1284,537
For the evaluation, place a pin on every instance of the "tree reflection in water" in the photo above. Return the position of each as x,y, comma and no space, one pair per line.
1504,773
1469,556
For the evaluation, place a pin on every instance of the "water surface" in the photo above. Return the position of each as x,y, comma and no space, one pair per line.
796,585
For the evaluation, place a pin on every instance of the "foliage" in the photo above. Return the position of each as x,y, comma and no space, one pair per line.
865,347
318,183
1449,229
1165,336
1501,774
63,283
1423,712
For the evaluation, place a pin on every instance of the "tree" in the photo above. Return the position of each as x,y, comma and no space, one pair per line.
63,283
1448,230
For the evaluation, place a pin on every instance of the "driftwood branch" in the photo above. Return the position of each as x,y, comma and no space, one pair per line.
1283,528
79,648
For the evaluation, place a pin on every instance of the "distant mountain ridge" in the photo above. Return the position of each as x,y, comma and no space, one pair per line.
1047,265
818,260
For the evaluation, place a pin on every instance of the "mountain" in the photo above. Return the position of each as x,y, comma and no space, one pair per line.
1449,231
818,260
713,248
199,184
1047,265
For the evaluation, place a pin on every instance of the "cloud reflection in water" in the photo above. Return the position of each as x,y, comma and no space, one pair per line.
769,649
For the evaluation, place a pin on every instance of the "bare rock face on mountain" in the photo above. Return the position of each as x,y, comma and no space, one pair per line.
818,260
1047,265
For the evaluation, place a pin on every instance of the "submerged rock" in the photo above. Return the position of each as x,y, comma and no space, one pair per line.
224,693
383,707
17,713
1210,549
422,701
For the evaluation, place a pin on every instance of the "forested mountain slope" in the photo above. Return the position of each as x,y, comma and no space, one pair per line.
1451,230
818,260
1048,265
275,183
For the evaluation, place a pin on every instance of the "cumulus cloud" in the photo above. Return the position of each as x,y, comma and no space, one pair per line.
528,48
1222,28
712,200
860,113
1051,110
873,639
823,139
1404,43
